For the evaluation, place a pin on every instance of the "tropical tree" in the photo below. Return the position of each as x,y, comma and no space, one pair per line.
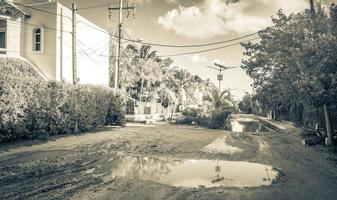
220,100
295,62
147,70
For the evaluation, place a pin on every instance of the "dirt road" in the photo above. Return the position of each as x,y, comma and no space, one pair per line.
75,167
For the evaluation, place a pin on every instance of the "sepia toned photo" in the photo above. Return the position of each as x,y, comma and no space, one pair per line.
168,99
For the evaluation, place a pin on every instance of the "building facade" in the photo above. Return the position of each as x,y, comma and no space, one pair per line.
41,32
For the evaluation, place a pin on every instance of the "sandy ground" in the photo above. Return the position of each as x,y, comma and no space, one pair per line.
64,167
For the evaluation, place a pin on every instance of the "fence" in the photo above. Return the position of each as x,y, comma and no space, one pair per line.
134,107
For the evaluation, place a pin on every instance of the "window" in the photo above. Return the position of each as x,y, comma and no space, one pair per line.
3,27
37,39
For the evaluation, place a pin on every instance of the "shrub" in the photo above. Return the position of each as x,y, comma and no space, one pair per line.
215,119
17,67
190,115
116,109
32,108
219,118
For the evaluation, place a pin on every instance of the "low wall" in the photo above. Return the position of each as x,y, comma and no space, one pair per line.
149,110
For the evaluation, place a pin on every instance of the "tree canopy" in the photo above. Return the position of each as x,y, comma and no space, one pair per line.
295,62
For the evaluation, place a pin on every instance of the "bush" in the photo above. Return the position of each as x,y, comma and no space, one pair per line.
215,119
32,108
190,115
219,118
17,67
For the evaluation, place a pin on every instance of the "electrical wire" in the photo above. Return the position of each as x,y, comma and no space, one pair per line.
36,25
153,44
32,8
192,46
208,50
92,7
173,46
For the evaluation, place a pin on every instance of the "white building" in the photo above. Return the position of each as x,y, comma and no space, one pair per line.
41,32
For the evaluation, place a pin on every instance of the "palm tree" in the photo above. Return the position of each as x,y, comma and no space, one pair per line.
127,71
147,69
221,100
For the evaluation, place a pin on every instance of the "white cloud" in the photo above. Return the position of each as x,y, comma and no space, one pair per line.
235,79
197,58
142,1
204,61
172,1
217,17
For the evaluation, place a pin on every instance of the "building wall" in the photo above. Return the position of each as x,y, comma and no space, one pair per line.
13,37
64,44
92,43
55,61
46,59
13,29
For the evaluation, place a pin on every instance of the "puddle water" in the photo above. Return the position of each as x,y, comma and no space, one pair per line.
248,126
191,173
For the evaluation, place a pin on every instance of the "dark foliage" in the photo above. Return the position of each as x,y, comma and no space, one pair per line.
31,108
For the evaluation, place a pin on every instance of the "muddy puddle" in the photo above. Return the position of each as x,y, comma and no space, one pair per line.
189,172
248,125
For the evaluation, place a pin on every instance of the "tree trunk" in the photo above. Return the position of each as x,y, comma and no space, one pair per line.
328,125
142,86
274,115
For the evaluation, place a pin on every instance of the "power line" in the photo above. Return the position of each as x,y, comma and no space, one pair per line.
168,45
32,8
37,25
92,7
207,50
148,43
191,46
126,33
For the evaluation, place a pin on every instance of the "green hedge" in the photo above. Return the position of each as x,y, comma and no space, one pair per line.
17,67
215,119
32,108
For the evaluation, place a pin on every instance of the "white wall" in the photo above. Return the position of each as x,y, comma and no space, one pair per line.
55,60
64,44
13,45
46,59
92,42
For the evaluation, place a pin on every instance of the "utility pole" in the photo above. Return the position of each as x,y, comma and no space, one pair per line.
120,26
220,78
220,75
74,51
312,7
74,56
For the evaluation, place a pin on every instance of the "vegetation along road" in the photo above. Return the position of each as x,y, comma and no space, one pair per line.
88,166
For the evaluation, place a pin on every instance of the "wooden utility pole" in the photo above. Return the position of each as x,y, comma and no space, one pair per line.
120,26
74,51
328,125
74,56
118,60
312,7
220,75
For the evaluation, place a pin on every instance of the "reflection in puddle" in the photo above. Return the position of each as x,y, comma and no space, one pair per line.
192,173
247,126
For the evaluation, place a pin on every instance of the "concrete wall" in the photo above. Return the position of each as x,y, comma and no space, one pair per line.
55,59
64,44
46,59
92,42
13,45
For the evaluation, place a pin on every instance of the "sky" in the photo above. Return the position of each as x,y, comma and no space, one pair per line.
190,22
